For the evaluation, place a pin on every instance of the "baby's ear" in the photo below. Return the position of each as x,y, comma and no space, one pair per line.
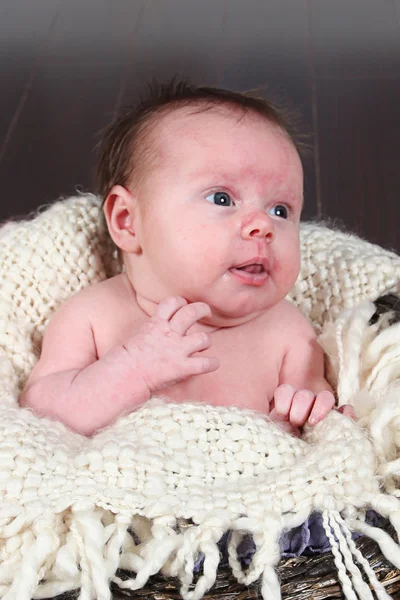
120,210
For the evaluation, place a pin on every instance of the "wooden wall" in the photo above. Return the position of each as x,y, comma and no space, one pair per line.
66,66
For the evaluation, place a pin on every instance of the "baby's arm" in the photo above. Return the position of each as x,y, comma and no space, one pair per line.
303,393
69,384
72,385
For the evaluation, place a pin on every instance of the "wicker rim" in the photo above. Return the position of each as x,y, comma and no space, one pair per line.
301,578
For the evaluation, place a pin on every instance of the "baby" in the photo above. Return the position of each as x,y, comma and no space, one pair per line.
203,192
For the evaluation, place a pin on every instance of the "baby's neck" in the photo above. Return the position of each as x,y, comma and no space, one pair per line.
149,308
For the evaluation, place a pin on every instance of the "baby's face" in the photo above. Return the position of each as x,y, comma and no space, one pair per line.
219,215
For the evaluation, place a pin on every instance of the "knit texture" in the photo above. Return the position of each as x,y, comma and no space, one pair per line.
164,483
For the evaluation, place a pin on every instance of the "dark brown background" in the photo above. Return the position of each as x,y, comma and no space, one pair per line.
66,66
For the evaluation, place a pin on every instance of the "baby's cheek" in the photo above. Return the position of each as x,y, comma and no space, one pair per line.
287,272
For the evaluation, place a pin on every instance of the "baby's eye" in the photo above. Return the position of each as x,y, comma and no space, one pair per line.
279,211
220,198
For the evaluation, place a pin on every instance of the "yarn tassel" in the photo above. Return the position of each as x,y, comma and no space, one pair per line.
265,558
270,586
375,583
347,586
130,559
200,538
388,546
9,568
139,529
382,359
11,551
360,587
31,567
389,507
65,573
267,555
95,572
211,561
183,564
350,329
154,553
233,557
66,565
85,582
115,543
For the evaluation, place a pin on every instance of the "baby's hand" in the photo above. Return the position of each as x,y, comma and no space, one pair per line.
162,350
301,406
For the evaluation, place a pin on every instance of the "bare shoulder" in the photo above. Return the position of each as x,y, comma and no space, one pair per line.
105,291
303,357
291,322
95,301
69,341
112,309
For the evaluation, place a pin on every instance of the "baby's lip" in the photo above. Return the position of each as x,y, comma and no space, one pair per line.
257,260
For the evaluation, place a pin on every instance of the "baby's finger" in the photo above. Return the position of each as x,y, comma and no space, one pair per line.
188,315
196,342
324,403
283,398
198,365
168,307
302,404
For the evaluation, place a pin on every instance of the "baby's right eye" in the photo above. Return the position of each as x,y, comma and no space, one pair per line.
220,199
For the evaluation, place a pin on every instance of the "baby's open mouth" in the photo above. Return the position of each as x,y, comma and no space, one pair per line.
253,273
254,268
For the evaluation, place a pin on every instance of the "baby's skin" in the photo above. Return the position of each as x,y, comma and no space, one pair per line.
91,371
211,248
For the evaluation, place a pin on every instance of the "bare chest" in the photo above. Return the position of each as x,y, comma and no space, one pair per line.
247,377
250,358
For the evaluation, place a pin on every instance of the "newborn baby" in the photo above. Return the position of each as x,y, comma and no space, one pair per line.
203,192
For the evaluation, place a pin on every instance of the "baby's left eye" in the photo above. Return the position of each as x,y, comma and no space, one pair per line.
279,211
220,199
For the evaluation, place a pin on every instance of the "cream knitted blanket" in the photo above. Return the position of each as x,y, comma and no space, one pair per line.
164,483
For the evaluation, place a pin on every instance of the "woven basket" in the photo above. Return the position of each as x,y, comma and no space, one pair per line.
301,578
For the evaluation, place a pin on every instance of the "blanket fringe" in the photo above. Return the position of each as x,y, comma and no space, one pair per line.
344,552
84,548
36,561
375,584
364,366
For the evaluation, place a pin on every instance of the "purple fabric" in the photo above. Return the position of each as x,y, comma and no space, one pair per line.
309,538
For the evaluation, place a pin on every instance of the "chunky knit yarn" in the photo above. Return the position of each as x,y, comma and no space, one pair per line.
70,505
163,484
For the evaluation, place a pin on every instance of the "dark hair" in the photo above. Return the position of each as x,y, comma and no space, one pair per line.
123,152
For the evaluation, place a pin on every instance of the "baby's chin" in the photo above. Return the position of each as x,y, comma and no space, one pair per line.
219,319
221,315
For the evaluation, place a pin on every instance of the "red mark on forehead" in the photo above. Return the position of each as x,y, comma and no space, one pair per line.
260,179
265,177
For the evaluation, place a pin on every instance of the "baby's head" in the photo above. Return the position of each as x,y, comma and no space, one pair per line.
202,192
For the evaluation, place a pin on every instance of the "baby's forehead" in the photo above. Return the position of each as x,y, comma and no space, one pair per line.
203,125
168,131
179,119
191,143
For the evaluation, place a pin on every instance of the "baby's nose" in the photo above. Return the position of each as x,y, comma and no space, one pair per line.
258,225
